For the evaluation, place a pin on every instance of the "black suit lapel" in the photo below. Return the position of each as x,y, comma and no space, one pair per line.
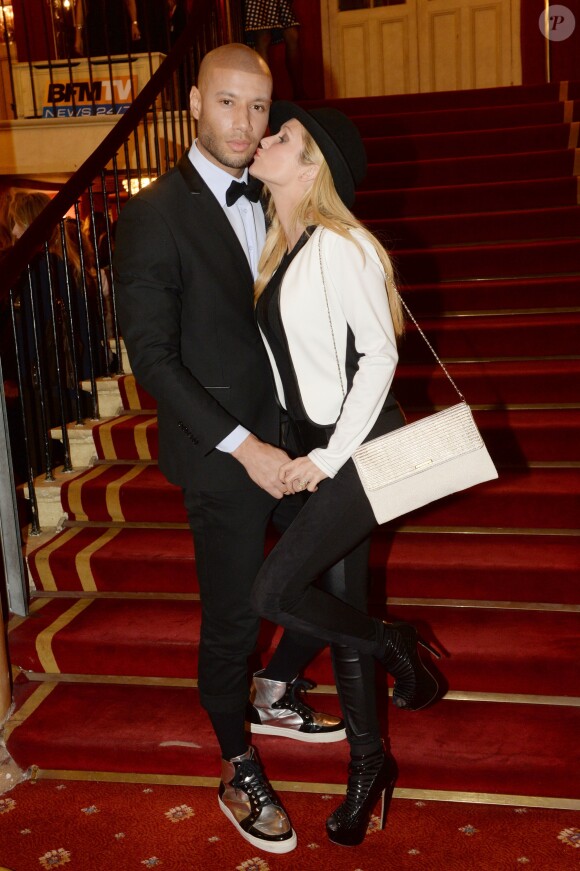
215,220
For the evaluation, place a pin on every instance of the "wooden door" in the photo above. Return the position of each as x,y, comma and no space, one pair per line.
369,50
465,44
374,47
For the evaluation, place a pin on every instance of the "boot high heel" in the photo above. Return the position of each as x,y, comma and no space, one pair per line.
370,777
415,687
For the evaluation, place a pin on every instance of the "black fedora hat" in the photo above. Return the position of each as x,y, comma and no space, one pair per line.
338,139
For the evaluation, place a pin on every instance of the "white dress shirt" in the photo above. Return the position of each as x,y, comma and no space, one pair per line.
249,225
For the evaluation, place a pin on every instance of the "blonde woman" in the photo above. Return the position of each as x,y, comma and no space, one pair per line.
330,317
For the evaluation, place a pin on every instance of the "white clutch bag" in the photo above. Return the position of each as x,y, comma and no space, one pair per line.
421,461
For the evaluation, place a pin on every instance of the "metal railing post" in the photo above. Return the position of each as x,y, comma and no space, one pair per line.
14,572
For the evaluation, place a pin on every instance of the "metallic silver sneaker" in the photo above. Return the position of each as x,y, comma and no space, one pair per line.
249,802
279,710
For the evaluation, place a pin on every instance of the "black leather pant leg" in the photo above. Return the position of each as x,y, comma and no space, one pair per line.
354,671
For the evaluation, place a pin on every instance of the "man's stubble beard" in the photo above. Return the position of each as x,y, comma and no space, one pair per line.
232,161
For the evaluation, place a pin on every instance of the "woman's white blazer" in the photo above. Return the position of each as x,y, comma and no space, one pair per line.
355,297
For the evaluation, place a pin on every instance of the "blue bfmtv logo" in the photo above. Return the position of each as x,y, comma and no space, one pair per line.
77,111
96,97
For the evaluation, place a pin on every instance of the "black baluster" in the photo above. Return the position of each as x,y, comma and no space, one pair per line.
70,307
60,354
31,470
37,372
120,370
101,298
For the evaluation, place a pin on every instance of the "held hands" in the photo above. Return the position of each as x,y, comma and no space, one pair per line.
272,469
300,474
262,462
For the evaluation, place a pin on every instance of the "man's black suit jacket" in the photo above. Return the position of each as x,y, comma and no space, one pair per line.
185,304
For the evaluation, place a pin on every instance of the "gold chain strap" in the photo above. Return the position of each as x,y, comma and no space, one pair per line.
408,311
329,317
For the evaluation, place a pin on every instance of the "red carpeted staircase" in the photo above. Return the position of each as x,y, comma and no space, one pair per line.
476,194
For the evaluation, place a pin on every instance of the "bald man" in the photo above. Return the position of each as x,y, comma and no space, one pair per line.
186,256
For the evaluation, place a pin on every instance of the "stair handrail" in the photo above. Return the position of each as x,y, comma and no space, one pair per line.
62,324
19,256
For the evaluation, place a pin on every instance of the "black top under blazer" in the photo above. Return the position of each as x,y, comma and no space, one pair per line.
185,304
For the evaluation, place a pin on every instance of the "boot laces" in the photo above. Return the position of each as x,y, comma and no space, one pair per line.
400,659
293,702
362,775
250,778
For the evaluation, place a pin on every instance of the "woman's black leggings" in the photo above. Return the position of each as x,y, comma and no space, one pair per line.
334,521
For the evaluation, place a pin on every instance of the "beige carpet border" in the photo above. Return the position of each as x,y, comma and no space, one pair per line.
294,786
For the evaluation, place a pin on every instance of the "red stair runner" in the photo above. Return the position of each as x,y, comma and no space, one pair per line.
513,437
483,219
497,336
504,383
472,169
452,119
470,228
508,294
459,199
511,140
486,650
535,497
456,746
500,567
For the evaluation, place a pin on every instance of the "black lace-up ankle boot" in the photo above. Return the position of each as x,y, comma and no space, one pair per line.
415,687
370,777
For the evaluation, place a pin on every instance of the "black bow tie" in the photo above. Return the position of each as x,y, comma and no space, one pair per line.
250,190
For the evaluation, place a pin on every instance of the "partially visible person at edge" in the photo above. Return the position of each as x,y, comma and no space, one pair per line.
268,22
55,286
5,234
186,256
115,27
330,317
106,27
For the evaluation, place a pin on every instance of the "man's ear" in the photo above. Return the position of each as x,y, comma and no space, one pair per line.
195,102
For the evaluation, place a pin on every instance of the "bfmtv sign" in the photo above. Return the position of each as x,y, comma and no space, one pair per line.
111,96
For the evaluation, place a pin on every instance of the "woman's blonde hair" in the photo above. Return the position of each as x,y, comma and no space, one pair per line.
25,206
322,206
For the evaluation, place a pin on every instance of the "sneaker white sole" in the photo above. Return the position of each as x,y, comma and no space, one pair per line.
309,737
269,846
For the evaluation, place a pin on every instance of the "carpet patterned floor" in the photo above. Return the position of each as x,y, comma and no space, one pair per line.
130,826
